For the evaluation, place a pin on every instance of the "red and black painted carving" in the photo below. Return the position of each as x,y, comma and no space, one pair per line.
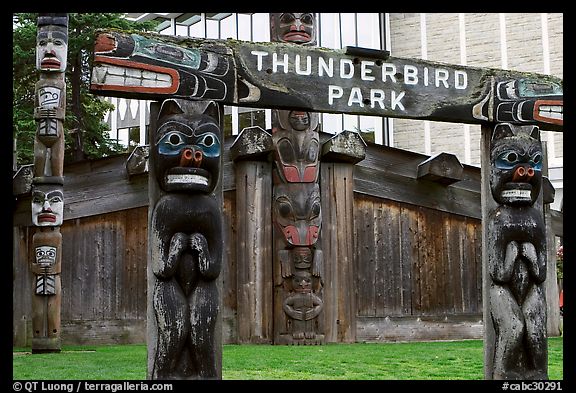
297,213
140,66
185,240
522,101
291,73
296,207
297,147
517,254
297,218
296,28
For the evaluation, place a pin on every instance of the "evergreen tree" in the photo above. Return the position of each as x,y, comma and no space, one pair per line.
85,130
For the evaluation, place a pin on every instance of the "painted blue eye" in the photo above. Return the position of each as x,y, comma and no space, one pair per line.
208,140
507,160
174,139
172,143
210,144
536,161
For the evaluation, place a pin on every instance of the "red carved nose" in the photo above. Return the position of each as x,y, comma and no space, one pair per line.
191,157
523,173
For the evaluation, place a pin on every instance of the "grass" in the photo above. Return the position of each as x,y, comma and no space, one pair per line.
454,360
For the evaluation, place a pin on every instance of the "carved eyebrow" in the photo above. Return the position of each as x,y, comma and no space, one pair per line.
206,127
55,34
55,193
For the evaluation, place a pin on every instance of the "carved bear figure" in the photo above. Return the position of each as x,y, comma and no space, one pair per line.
186,233
517,260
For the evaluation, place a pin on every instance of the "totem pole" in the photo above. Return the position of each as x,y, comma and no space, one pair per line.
185,241
48,181
297,217
514,235
517,260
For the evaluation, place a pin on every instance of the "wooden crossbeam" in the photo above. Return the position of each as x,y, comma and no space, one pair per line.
289,76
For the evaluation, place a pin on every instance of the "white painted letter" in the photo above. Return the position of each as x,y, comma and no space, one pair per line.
396,100
377,95
355,97
308,69
460,76
388,69
410,75
425,76
259,54
343,73
323,67
365,71
276,63
334,92
441,76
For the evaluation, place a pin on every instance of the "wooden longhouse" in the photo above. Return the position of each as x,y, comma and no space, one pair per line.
403,253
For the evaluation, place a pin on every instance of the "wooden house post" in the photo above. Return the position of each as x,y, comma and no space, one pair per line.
184,329
339,154
253,173
298,260
513,253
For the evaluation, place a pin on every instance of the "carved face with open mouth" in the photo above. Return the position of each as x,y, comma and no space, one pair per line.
46,256
297,28
142,66
516,170
187,149
51,48
47,205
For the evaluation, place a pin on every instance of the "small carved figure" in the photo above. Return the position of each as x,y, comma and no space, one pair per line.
50,107
297,145
50,96
303,306
47,297
517,261
185,240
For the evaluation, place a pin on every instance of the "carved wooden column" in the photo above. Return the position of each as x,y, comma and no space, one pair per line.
185,241
48,180
514,253
253,171
298,261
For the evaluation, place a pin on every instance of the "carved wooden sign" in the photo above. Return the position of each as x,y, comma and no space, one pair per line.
353,80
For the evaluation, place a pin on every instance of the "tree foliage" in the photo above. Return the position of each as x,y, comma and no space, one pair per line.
85,130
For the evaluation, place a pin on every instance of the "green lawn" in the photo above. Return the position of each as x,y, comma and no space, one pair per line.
454,360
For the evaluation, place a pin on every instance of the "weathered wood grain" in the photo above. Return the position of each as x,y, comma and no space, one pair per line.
254,251
280,75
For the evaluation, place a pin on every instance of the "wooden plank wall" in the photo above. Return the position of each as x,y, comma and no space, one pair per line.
415,262
103,278
410,262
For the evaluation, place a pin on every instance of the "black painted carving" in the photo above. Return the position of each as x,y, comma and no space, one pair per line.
186,233
517,260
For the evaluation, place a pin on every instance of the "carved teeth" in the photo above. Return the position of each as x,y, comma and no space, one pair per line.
187,178
516,194
551,111
122,76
